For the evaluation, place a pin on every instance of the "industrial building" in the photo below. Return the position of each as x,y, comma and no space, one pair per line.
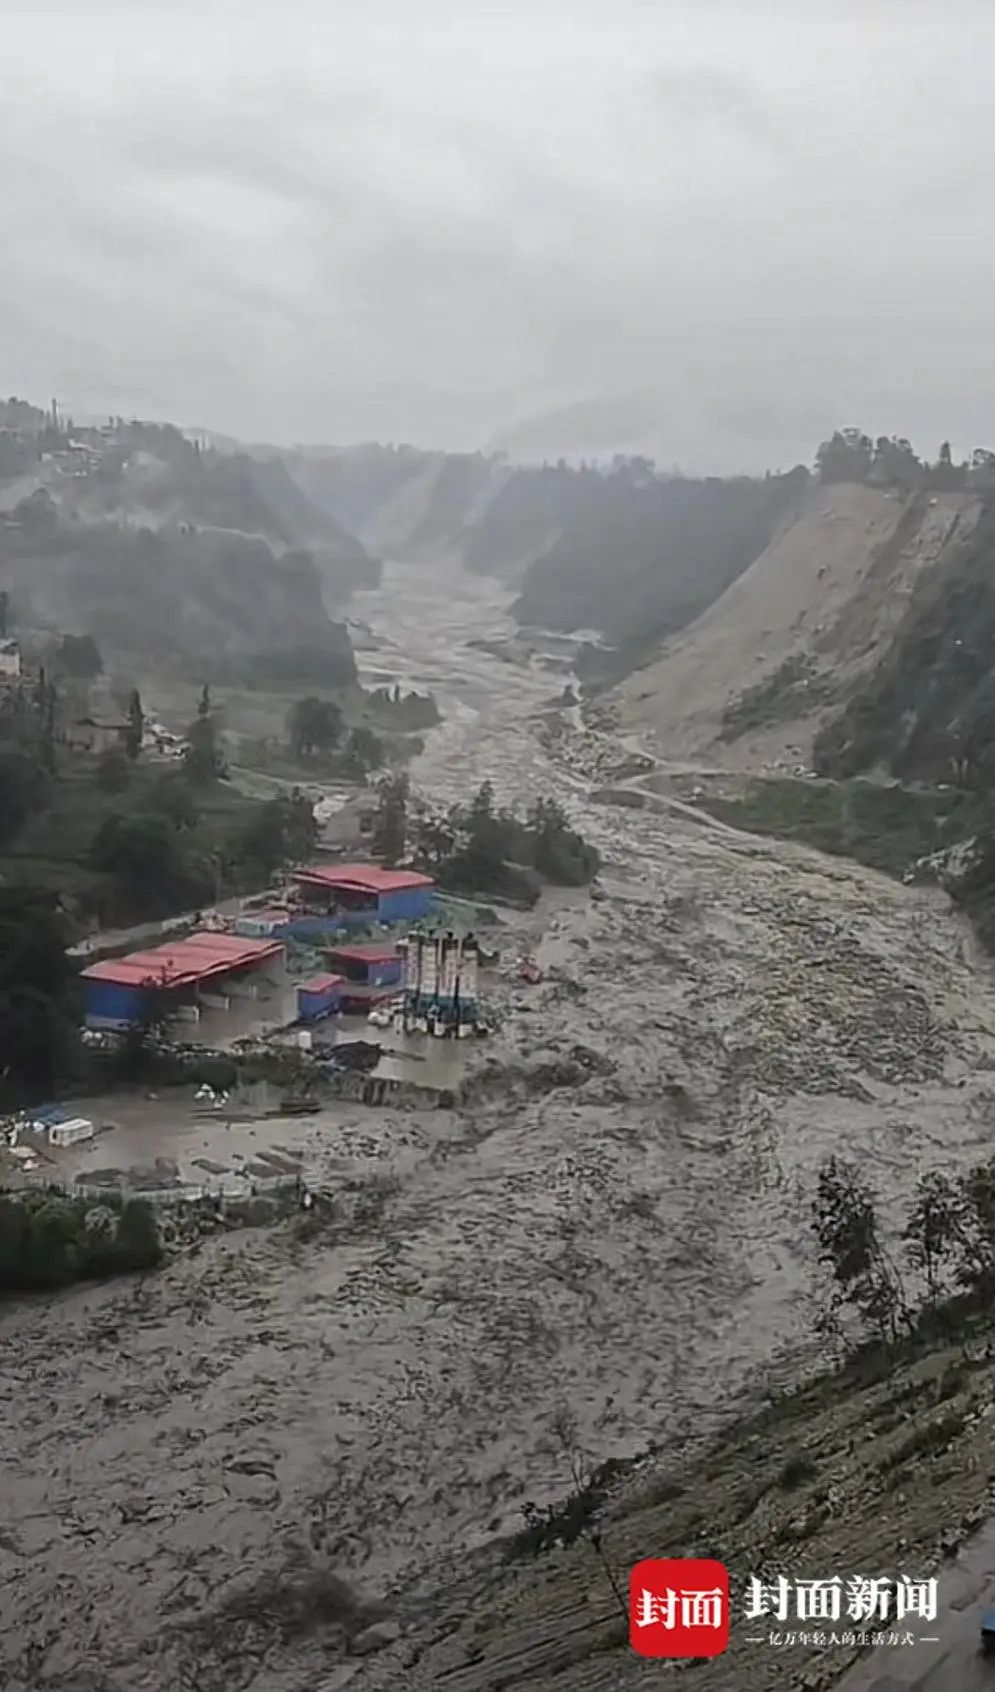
319,997
206,970
337,897
369,974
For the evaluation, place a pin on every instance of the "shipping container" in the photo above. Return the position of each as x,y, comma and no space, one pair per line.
67,1133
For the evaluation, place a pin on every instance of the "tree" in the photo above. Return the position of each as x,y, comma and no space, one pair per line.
846,457
314,725
281,830
146,855
45,704
975,1230
48,1240
79,656
560,854
50,1258
113,771
169,796
136,1239
364,751
481,813
933,1227
136,725
895,463
38,1010
37,514
23,789
390,820
204,761
946,475
844,1219
434,840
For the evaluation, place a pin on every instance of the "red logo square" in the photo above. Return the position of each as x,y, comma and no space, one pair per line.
679,1607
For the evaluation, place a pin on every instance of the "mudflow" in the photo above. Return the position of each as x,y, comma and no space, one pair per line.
613,1220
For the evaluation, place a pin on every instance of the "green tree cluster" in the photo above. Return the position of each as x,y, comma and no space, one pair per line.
29,712
23,790
948,1245
389,834
483,848
363,752
78,656
155,863
38,992
314,726
48,1240
204,759
282,830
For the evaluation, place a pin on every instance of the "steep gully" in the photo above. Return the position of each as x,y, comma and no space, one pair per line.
615,1221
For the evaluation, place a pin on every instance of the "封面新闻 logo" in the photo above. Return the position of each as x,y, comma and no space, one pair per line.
679,1607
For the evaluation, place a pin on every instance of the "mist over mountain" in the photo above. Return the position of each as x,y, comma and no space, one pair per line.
168,553
616,547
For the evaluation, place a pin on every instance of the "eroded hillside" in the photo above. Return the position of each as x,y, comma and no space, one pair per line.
927,709
619,549
752,680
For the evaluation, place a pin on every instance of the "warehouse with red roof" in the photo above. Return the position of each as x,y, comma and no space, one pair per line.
337,897
202,967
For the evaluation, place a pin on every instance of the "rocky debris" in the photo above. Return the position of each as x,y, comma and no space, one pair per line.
376,1637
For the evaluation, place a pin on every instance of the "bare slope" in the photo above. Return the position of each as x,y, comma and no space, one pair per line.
751,679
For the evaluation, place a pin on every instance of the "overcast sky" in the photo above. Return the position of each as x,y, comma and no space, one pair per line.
709,230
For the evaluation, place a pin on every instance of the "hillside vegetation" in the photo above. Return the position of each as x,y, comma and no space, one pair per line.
927,711
644,555
169,554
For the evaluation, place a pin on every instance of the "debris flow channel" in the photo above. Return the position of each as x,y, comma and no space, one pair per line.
613,1219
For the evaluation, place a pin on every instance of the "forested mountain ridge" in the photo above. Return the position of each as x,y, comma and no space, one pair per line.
167,552
620,548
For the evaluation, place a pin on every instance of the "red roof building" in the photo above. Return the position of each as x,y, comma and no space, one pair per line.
376,965
363,878
178,962
117,989
357,895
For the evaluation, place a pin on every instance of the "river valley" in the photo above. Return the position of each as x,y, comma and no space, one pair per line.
612,1222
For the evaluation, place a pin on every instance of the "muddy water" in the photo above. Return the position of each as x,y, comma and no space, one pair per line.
487,703
617,1222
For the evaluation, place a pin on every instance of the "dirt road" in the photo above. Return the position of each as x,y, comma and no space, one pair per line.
615,1220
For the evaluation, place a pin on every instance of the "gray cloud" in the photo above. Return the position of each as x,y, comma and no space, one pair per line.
714,231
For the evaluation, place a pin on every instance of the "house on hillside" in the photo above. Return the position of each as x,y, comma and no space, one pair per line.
88,735
10,661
